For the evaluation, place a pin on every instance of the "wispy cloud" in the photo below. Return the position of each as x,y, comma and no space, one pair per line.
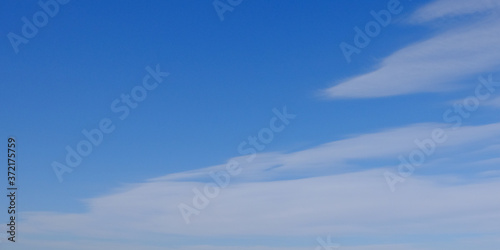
494,103
342,204
453,8
434,64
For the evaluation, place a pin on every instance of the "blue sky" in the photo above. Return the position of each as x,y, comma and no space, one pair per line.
332,169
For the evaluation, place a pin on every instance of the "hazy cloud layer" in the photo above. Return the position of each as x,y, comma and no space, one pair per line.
353,203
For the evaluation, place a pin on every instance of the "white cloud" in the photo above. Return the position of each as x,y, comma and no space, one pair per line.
435,64
90,245
494,102
344,205
355,204
452,8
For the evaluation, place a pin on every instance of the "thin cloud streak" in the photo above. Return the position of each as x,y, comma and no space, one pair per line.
452,8
433,65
